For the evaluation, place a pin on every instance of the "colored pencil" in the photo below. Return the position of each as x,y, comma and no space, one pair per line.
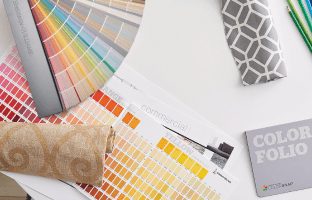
295,20
309,4
306,14
300,22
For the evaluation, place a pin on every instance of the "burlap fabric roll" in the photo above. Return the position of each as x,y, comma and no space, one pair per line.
67,152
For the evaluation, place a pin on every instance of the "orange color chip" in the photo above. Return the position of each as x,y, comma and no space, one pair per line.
93,191
127,118
104,100
134,123
162,143
111,105
98,95
99,195
118,109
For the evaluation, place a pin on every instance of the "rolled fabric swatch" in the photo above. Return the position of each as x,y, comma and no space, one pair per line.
253,40
67,152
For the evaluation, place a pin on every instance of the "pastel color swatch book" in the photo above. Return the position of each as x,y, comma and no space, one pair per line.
149,162
84,42
84,45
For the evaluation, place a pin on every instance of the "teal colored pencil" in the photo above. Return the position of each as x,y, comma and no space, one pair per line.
309,4
306,14
302,25
304,36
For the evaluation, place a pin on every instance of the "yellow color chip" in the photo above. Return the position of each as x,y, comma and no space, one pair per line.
137,195
207,191
211,195
162,143
133,180
169,148
189,163
134,123
139,182
196,168
195,196
148,189
176,153
202,174
132,192
154,181
159,185
182,158
153,193
166,176
164,188
140,171
158,197
217,197
145,174
171,179
127,188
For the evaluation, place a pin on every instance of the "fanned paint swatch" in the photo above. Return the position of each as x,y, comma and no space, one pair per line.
84,42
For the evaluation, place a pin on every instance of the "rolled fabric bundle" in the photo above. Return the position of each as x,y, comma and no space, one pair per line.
67,152
253,40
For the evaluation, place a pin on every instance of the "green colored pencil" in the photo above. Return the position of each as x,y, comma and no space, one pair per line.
306,14
304,36
300,22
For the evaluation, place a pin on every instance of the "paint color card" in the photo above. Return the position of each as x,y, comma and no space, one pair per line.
84,42
281,157
149,162
103,107
126,84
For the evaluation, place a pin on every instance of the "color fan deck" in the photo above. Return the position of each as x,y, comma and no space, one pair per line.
85,41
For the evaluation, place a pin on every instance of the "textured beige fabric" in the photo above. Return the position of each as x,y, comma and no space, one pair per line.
68,152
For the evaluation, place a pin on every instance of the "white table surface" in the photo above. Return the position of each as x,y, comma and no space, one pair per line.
181,47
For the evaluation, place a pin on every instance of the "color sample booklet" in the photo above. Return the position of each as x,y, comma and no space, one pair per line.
150,162
128,86
281,157
104,107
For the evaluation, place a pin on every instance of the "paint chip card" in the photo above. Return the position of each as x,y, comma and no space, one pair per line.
281,157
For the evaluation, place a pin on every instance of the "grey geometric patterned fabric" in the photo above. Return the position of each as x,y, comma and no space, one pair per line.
253,40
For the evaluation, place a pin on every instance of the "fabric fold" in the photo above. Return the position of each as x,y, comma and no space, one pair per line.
253,40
